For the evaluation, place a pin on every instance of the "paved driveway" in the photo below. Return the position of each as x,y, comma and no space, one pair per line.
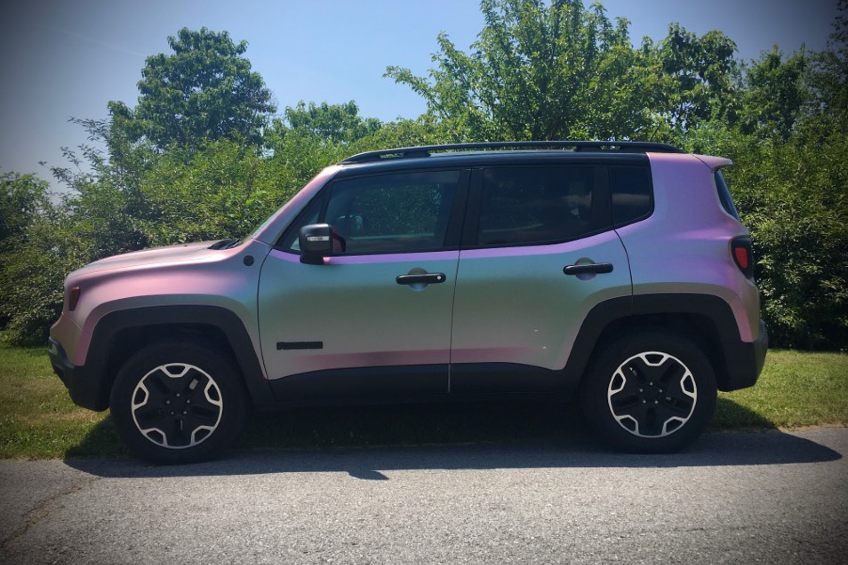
766,497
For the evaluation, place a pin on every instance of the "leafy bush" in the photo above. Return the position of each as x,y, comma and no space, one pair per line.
794,198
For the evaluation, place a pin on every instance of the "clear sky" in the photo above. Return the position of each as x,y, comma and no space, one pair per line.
63,58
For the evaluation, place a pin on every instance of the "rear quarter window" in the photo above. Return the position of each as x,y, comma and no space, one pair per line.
724,195
631,192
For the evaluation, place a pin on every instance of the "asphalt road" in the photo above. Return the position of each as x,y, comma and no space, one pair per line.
767,497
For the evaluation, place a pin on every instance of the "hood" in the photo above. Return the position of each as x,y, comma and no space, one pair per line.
156,256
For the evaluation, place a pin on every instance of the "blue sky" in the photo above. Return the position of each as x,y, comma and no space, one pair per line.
62,58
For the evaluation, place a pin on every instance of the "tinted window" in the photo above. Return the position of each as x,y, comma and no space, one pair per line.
535,205
631,194
724,195
392,213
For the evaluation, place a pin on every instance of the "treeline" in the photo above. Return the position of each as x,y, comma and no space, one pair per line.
204,154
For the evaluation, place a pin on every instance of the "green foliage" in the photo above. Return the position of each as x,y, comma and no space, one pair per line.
774,96
335,123
562,71
199,157
404,133
22,197
210,194
793,197
204,90
696,76
226,189
829,77
32,274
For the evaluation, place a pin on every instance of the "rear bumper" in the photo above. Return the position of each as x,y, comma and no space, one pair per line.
744,361
84,390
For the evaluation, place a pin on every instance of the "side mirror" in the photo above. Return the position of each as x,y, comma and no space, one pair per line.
317,241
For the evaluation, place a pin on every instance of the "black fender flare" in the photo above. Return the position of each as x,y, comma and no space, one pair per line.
97,366
737,363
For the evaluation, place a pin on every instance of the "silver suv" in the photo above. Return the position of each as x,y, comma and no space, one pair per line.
617,271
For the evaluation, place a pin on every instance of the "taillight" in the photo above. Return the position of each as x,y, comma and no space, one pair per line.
743,255
73,297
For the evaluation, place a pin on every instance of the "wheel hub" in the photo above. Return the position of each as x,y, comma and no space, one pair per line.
177,405
652,394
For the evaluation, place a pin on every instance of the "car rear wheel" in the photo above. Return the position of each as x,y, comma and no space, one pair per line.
650,392
178,403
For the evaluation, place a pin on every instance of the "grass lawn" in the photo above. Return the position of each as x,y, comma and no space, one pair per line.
37,419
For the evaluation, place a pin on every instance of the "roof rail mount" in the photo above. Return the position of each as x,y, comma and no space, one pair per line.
428,150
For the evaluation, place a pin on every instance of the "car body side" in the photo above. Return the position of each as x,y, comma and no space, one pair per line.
677,273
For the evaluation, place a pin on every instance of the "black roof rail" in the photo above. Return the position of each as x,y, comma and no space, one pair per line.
428,150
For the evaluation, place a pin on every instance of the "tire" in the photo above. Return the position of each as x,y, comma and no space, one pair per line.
649,392
178,402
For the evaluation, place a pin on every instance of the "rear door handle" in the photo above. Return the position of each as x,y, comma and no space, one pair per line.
588,268
422,278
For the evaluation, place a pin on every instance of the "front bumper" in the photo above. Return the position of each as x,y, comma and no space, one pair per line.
85,391
744,361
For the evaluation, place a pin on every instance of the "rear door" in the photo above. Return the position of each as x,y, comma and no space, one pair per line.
375,317
516,311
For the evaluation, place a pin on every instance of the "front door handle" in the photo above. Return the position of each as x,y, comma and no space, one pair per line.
587,268
421,278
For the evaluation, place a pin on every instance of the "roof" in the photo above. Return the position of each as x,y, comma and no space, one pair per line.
461,149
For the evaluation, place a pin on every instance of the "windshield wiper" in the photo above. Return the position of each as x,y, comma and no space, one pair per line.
225,244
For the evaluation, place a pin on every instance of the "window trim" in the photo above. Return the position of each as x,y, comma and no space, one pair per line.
600,191
453,229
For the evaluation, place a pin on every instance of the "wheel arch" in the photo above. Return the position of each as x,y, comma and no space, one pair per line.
121,333
705,319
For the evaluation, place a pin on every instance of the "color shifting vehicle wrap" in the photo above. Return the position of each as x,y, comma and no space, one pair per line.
616,271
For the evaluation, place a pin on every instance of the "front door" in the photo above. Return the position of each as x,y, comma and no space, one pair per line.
375,318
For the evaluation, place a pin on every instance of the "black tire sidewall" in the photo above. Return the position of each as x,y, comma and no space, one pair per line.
235,405
596,383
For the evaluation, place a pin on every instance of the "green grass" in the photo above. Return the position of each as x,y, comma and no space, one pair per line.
37,419
796,389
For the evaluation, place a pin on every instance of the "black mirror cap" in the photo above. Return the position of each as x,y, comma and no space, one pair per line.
316,242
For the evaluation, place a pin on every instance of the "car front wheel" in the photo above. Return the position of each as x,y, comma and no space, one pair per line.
178,403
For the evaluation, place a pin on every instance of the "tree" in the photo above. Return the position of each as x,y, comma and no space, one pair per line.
221,191
336,123
829,76
530,73
774,95
22,198
540,71
204,90
696,77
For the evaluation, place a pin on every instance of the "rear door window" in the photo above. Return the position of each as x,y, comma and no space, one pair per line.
534,205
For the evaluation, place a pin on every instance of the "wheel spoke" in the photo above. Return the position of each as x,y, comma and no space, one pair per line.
677,406
207,415
672,372
651,423
151,417
178,436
